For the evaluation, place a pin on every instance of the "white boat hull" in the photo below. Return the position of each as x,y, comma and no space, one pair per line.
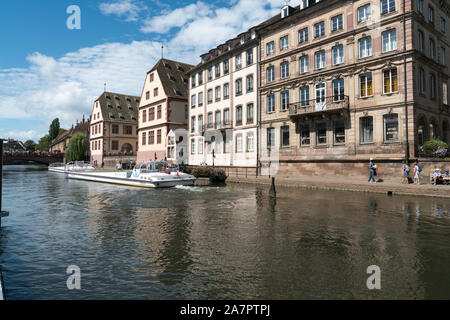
57,169
121,178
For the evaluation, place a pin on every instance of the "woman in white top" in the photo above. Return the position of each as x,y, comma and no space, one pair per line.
417,173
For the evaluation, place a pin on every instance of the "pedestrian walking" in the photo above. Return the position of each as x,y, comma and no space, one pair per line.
406,169
372,169
417,171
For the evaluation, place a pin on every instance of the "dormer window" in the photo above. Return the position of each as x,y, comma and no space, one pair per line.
242,40
253,34
285,12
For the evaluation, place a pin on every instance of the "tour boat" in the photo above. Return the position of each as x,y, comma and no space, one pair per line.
145,175
57,167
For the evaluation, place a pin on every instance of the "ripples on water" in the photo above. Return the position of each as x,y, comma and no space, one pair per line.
229,242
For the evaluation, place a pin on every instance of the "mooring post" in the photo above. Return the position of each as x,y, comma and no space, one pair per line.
2,213
273,191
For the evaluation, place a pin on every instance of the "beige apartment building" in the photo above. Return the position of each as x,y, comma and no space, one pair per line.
162,111
345,81
223,105
113,129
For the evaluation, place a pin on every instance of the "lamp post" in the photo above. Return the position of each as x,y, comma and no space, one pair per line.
213,156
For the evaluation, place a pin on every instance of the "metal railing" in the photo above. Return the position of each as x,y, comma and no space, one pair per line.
322,104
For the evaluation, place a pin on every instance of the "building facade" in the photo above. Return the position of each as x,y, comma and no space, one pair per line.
223,104
163,109
113,128
61,142
345,81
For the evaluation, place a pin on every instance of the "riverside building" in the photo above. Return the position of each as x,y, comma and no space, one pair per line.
113,129
223,105
344,81
163,109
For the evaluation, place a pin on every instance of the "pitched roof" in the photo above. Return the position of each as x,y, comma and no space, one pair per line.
119,107
173,77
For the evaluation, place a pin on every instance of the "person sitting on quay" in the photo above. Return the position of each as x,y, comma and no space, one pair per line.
372,169
437,177
446,177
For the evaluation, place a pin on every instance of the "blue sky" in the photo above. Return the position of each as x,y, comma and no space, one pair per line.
48,71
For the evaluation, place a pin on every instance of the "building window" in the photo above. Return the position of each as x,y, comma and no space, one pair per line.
338,54
238,60
115,145
115,129
159,112
200,146
192,124
387,6
320,59
270,137
337,23
270,74
422,86
304,64
151,77
193,101
250,142
305,139
250,83
226,116
366,129
210,95
238,87
431,15
339,132
432,50
420,6
364,13
226,90
144,138
200,123
303,35
420,43
239,143
389,40
158,141
249,57
217,70
210,74
443,25
390,127
127,130
239,115
210,120
319,29
226,66
443,57
390,82
285,70
200,99
338,90
200,78
284,43
304,96
270,48
285,136
365,84
147,96
433,86
321,133
144,116
271,103
151,137
155,92
365,47
218,120
218,91
192,81
250,112
284,100
192,146
151,114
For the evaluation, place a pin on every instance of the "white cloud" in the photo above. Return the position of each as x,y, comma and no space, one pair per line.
24,135
128,9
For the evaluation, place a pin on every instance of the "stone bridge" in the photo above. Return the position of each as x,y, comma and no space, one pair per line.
41,158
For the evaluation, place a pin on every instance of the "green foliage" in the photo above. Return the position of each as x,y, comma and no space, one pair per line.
53,131
43,144
430,147
206,172
30,145
77,148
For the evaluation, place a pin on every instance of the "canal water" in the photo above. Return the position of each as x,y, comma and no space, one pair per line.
230,242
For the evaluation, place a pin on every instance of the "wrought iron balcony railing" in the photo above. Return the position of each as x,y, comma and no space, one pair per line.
335,103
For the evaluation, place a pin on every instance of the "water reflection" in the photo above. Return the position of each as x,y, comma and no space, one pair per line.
231,242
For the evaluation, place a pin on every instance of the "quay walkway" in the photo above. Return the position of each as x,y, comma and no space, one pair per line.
391,185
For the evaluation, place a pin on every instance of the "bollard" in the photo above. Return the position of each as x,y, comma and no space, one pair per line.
273,191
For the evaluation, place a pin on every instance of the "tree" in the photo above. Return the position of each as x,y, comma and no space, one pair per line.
30,145
53,131
77,148
43,144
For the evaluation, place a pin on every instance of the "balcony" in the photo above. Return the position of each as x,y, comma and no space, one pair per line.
320,106
226,125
